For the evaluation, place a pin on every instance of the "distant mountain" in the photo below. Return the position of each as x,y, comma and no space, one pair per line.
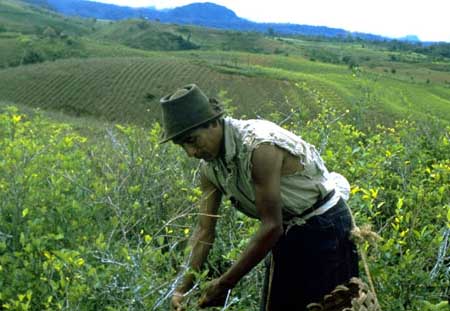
410,38
201,14
90,9
204,11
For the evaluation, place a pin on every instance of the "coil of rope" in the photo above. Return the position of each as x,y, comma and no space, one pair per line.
355,295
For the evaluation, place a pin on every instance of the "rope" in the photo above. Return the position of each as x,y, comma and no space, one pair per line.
354,295
360,236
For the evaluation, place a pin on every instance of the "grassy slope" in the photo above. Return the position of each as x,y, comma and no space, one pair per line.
141,34
129,81
385,93
22,30
11,49
15,46
151,35
21,17
128,89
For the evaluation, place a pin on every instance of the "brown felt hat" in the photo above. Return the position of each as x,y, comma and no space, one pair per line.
186,109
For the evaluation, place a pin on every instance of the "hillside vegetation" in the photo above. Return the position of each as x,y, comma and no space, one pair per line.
355,75
128,89
95,213
56,183
18,16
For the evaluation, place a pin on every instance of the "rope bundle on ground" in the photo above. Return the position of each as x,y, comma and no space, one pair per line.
354,295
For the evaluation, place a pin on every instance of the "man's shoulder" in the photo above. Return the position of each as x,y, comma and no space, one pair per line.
247,123
259,130
253,127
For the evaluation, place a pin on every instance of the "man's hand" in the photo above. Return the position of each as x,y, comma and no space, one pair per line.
201,239
213,295
177,300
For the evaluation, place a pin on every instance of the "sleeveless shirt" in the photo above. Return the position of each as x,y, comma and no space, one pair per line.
231,173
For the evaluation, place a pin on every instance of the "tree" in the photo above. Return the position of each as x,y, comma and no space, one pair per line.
31,57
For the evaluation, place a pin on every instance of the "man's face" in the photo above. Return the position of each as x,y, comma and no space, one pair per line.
202,143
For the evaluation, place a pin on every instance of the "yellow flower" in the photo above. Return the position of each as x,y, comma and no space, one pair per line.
79,262
16,118
47,254
403,233
147,238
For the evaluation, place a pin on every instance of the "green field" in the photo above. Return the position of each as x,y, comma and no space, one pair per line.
21,17
127,89
118,71
95,213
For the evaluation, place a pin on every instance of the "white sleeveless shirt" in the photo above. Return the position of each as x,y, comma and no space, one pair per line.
232,172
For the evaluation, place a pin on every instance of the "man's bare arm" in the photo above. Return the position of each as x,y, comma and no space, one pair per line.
204,233
267,161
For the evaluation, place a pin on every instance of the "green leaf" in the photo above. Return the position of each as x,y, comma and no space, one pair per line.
25,212
400,203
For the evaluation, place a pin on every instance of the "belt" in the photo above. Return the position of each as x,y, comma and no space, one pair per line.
299,220
318,204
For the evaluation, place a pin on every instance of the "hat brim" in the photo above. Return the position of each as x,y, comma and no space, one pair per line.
184,131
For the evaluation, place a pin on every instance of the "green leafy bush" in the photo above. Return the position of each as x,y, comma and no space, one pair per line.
101,222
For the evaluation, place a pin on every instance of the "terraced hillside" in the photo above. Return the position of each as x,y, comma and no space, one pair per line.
128,89
416,90
110,73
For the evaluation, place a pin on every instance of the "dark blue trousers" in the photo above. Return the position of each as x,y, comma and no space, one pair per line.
309,261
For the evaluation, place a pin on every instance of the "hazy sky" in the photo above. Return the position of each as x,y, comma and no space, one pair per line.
428,19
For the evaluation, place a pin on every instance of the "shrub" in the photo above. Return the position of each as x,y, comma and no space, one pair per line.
101,222
31,57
